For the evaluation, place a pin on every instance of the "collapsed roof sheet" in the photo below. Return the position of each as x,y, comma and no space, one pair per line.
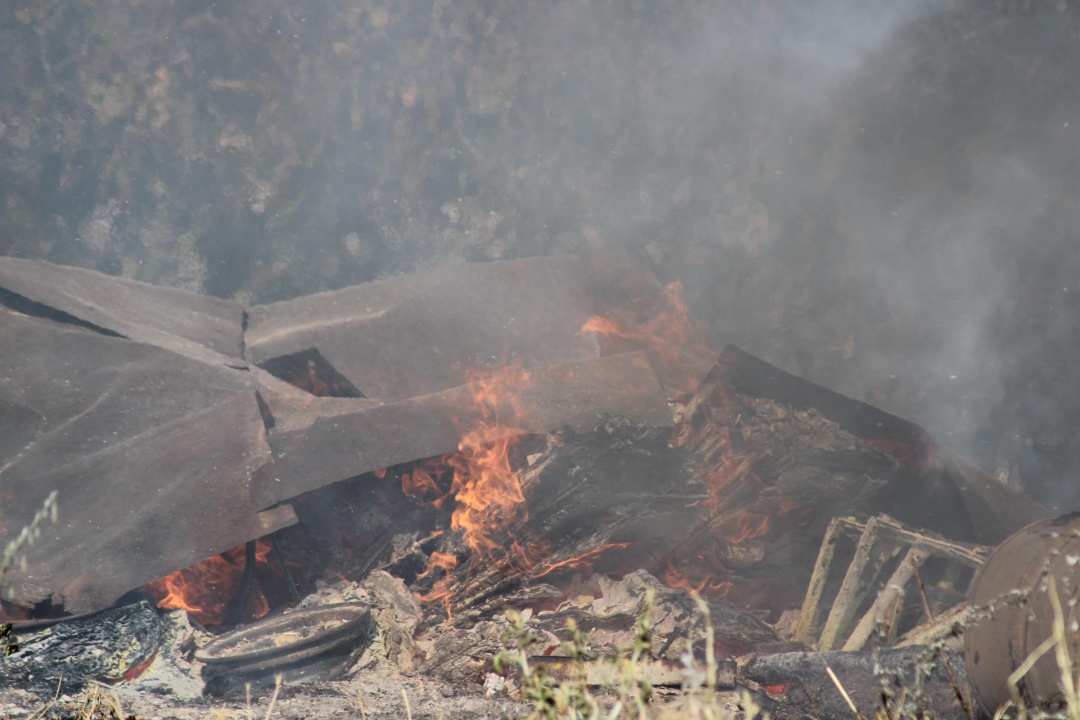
416,334
185,322
150,453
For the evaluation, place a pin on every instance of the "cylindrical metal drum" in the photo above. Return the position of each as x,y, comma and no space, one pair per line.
997,644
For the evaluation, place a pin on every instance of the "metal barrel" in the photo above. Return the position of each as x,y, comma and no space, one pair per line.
1014,589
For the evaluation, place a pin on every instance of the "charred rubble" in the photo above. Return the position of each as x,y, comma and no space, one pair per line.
384,502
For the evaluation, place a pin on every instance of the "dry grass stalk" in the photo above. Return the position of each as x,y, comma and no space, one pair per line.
273,698
843,693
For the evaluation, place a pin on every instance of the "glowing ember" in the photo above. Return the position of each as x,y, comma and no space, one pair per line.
698,581
579,561
440,591
204,590
420,483
743,526
924,457
778,690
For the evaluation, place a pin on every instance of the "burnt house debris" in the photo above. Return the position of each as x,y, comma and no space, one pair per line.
542,434
137,407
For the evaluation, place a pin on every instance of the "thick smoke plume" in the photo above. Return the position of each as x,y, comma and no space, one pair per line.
880,196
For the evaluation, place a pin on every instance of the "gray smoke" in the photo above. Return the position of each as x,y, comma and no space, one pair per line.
878,195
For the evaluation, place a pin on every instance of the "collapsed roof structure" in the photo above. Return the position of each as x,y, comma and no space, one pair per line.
175,426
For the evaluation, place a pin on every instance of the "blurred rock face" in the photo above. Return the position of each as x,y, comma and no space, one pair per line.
877,195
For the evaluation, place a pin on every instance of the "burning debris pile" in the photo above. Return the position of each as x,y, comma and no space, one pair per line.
539,434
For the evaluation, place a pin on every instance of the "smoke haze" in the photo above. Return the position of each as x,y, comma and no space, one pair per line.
879,196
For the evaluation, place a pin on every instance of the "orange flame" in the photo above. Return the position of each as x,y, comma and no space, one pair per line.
439,560
441,589
420,483
486,489
718,477
583,560
205,589
671,322
743,526
664,328
698,582
487,494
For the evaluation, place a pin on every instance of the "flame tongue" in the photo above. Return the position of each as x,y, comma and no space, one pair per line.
663,327
489,499
487,491
205,589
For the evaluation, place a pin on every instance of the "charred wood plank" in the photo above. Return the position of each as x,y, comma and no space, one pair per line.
880,682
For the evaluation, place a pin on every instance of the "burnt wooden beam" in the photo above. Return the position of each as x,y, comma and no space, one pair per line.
878,683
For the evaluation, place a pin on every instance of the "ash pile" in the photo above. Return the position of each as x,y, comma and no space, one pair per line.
391,479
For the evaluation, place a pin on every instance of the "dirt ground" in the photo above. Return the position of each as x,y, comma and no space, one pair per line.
373,693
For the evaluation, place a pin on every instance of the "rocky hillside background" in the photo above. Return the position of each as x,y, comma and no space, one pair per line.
880,195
